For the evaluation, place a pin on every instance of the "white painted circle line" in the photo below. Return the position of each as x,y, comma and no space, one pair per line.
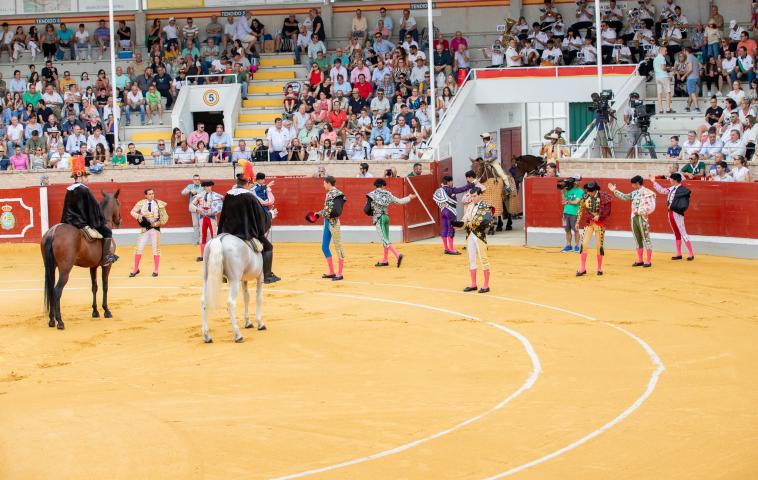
654,377
530,381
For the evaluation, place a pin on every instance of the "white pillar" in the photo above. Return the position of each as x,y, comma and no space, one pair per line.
599,48
432,93
116,108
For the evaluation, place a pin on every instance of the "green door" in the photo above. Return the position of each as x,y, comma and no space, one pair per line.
579,117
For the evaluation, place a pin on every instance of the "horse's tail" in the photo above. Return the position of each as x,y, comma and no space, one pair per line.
48,257
213,270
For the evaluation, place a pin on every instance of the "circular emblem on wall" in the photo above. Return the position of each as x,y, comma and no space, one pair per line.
7,220
211,97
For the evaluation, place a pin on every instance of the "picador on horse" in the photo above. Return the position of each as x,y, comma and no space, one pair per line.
82,210
243,216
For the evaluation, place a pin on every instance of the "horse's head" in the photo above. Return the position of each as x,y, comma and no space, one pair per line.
111,207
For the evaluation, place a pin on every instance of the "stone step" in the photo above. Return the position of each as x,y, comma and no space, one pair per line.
255,87
259,117
151,133
265,74
279,61
262,102
249,133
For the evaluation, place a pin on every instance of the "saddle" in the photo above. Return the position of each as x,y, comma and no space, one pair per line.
255,244
90,234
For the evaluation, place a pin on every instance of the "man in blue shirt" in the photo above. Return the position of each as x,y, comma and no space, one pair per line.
65,40
102,37
380,130
382,46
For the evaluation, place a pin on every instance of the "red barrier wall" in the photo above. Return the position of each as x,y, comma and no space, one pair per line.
20,215
295,196
716,209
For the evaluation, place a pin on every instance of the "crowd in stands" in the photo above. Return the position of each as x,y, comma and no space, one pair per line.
369,99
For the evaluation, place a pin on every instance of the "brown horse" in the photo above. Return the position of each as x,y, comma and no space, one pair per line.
530,165
65,246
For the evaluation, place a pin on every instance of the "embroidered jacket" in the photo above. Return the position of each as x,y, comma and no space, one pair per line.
381,200
643,201
154,211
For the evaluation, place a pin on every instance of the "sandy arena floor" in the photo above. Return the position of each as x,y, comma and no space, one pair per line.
392,374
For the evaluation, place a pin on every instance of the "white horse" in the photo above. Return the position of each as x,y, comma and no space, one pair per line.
228,256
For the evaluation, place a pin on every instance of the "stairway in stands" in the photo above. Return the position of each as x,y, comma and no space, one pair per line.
263,105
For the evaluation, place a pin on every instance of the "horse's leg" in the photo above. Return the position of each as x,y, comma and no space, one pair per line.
62,281
246,299
106,310
259,303
204,314
93,278
231,303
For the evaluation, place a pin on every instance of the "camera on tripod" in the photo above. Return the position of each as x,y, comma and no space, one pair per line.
642,113
601,103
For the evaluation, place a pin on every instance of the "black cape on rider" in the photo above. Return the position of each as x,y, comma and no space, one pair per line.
81,209
243,216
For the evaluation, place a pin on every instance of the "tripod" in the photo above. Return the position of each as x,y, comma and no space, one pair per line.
645,135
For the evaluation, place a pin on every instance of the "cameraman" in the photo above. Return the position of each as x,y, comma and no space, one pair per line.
601,121
633,130
572,196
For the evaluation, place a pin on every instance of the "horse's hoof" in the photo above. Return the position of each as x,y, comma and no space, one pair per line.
248,325
107,314
239,339
262,327
61,326
51,323
95,314
208,340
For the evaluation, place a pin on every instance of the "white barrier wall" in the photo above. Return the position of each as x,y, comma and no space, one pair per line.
224,98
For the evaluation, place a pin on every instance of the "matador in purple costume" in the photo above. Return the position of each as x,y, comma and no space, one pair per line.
445,197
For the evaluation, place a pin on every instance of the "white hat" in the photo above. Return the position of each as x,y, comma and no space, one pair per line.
732,23
171,19
485,135
554,136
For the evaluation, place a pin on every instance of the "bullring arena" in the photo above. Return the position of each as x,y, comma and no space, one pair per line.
391,374
396,373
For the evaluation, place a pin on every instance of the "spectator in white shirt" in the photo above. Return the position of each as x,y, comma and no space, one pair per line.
96,138
278,141
397,149
588,54
418,72
407,25
736,93
728,64
314,47
407,42
538,37
244,33
184,154
61,158
720,175
734,146
512,56
336,70
733,124
75,140
552,54
692,145
381,105
585,16
462,60
496,54
608,40
740,172
83,44
171,32
135,102
621,53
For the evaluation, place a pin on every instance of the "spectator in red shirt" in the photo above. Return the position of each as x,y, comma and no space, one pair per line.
364,88
458,40
337,118
441,40
747,42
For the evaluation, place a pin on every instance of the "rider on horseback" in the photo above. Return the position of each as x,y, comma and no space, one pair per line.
243,216
81,209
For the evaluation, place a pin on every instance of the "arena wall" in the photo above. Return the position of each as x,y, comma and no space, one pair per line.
722,218
34,209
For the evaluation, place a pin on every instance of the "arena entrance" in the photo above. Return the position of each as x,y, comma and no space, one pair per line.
210,119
